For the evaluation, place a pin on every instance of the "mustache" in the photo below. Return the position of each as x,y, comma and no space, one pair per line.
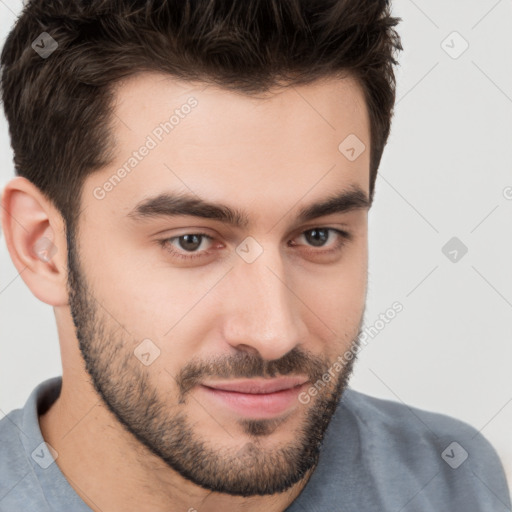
249,365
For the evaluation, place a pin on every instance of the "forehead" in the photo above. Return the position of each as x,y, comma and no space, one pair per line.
333,104
269,149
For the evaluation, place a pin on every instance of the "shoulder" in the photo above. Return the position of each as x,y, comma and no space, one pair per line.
16,476
392,415
11,447
391,422
406,443
24,458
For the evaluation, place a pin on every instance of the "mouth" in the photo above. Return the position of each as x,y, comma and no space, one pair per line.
256,398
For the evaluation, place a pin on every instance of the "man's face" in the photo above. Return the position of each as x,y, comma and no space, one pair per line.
201,333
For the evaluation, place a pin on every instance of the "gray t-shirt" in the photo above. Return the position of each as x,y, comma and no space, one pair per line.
377,456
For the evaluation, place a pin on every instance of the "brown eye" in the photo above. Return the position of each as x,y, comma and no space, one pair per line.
187,243
317,237
190,242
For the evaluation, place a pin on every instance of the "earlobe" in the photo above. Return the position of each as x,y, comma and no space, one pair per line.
34,234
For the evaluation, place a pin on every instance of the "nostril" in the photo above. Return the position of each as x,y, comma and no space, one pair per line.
247,348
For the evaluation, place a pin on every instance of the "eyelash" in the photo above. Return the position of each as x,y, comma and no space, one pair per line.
164,243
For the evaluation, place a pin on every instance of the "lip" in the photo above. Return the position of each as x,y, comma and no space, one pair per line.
256,398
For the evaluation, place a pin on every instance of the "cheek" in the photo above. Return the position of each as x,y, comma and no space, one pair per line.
343,283
124,290
337,294
172,307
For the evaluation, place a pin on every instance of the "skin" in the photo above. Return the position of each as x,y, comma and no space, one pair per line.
114,423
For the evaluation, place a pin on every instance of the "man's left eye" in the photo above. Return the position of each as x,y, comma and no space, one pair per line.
318,236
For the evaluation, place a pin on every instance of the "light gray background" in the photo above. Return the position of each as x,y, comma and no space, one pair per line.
446,172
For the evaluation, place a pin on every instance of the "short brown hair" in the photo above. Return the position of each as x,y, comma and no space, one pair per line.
59,108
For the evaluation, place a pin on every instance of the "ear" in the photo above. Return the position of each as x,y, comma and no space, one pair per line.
34,232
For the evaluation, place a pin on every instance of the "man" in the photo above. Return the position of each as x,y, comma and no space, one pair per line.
194,180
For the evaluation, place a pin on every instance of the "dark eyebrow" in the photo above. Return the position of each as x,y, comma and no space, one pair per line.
184,204
353,199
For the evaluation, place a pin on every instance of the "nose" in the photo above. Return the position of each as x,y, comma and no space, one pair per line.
262,310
